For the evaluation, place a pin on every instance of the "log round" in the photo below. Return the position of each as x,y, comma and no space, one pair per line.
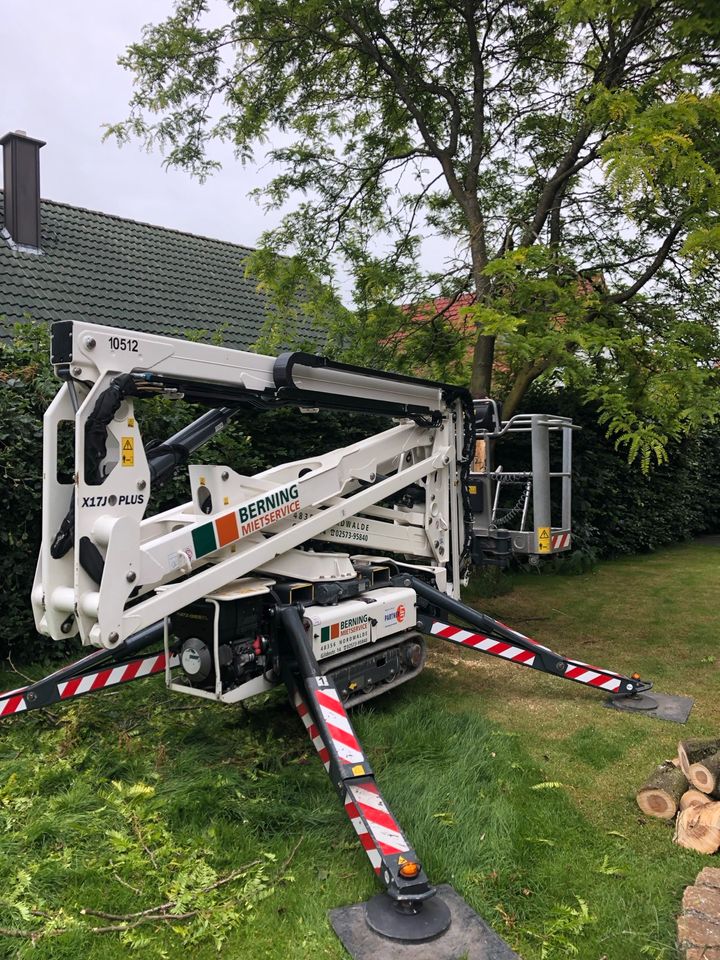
705,773
696,750
698,828
693,798
660,795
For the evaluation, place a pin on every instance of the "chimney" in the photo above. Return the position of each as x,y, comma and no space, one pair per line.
21,183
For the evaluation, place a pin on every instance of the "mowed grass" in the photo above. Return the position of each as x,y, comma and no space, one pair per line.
515,787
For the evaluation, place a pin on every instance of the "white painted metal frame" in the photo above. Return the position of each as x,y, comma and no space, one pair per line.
333,495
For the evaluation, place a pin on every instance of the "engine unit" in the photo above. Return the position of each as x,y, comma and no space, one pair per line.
367,644
223,642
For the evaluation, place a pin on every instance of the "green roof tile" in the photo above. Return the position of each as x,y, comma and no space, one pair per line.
103,268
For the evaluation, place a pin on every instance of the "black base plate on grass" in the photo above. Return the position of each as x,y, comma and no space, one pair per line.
662,706
468,936
426,920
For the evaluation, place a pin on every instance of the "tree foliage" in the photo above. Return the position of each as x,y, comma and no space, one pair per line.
566,152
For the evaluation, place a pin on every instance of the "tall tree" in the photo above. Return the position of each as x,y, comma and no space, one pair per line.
567,151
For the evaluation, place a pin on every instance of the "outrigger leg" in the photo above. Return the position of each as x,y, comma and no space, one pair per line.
97,671
494,638
394,924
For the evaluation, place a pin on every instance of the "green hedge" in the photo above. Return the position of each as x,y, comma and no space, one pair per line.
615,508
27,385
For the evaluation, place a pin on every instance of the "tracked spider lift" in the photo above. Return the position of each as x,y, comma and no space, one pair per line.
326,574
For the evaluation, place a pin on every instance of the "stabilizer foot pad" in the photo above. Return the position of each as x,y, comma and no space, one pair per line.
468,936
428,922
662,706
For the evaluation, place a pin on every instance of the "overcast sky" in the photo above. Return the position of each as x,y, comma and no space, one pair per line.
61,82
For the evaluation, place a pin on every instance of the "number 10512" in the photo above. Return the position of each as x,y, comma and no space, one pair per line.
124,343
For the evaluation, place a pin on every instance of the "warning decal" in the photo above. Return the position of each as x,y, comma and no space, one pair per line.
544,544
127,448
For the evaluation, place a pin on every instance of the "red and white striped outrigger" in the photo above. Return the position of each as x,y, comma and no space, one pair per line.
101,670
530,657
325,718
16,701
498,640
338,747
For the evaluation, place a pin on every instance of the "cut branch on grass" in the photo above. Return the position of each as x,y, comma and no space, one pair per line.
162,907
19,672
157,914
128,885
138,833
46,713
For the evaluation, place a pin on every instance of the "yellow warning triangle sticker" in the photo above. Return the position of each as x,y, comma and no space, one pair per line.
401,861
544,533
127,443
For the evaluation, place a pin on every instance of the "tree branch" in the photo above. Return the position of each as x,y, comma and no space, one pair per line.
522,381
568,167
658,260
441,154
128,921
477,134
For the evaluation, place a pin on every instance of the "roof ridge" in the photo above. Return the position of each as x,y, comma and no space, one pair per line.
141,223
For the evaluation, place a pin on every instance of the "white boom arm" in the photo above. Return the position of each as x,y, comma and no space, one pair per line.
106,572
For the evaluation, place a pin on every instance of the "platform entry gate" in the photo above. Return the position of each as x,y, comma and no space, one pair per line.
522,513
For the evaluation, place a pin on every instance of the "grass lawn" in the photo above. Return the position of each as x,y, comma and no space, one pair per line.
515,787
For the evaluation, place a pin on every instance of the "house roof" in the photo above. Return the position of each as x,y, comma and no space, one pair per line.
105,269
451,309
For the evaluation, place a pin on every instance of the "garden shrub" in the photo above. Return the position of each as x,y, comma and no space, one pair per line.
27,385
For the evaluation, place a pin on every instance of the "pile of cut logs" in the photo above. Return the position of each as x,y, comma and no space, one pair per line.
689,787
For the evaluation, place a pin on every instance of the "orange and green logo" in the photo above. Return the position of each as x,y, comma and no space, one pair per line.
330,633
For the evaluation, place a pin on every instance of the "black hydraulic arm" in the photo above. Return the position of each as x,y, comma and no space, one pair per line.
163,458
499,640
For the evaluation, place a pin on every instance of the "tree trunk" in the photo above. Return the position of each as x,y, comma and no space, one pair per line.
693,798
660,796
484,349
482,367
697,828
523,381
693,751
704,774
